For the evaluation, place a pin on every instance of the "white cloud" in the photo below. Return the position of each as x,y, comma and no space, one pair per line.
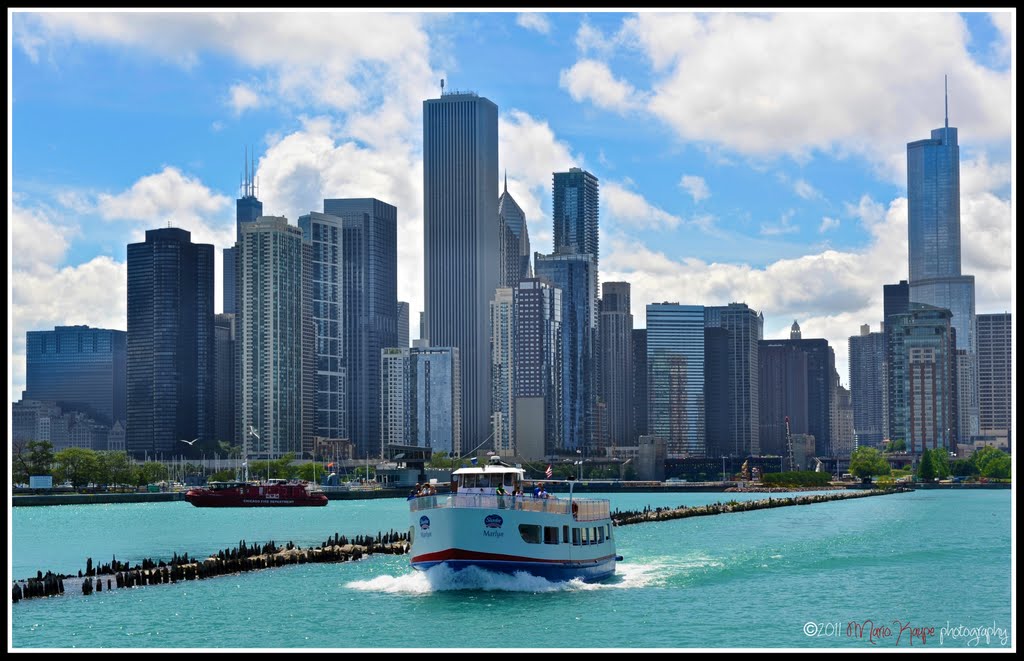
805,190
530,152
828,224
793,83
695,186
624,208
784,226
534,21
590,39
243,98
38,243
590,80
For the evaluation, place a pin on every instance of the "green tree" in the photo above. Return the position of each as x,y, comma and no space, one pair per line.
866,462
896,445
997,467
150,473
31,458
940,460
79,466
225,475
310,472
114,468
982,457
963,468
926,471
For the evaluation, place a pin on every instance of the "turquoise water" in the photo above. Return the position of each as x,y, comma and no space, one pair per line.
788,577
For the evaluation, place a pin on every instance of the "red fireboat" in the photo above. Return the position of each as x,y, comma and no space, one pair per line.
270,493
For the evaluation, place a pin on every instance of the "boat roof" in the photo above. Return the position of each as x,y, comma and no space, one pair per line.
488,469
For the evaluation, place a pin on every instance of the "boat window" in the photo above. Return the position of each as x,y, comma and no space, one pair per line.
586,536
565,534
575,536
608,528
550,534
600,535
593,535
529,533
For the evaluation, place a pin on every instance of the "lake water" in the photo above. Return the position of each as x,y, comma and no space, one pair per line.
924,569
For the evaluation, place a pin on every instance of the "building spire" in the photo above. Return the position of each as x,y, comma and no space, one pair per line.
506,181
945,87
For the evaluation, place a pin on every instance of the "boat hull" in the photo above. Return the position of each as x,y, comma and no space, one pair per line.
523,536
204,501
255,495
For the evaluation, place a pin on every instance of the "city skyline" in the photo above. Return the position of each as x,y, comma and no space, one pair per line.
819,230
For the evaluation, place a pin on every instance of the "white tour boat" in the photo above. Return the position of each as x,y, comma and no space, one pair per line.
556,538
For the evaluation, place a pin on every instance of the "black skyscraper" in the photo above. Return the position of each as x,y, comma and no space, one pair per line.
170,342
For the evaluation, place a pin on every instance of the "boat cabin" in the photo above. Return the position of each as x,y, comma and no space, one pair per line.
485,479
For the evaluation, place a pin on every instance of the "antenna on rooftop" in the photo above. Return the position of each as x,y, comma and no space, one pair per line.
442,87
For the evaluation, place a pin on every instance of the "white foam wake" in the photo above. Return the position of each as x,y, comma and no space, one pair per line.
441,578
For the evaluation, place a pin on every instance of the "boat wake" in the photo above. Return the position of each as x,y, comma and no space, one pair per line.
443,579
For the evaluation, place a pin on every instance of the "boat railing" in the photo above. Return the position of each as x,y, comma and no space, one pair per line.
584,509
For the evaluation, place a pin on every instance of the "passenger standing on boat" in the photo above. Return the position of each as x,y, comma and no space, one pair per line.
415,492
542,493
501,493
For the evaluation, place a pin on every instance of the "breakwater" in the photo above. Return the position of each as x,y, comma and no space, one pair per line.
244,557
647,515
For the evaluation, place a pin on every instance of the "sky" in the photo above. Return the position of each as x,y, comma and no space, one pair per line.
755,157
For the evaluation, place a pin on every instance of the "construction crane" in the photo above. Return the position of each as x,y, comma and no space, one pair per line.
789,447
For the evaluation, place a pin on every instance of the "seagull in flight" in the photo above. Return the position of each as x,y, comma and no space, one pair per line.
192,442
252,431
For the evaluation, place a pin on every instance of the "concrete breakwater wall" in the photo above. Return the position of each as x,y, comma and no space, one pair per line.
244,557
648,514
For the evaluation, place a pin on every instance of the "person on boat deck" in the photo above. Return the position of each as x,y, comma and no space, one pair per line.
501,493
540,492
415,492
536,490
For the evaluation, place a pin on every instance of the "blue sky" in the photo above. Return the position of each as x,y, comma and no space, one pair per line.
755,157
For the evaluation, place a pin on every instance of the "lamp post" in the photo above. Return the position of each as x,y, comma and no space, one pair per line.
580,462
723,468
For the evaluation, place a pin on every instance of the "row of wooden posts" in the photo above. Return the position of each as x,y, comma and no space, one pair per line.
244,557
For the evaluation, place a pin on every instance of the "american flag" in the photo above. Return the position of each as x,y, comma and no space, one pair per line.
548,473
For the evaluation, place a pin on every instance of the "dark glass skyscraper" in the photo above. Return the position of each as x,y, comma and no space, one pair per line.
369,301
80,368
537,372
744,326
675,377
868,386
324,234
640,382
820,376
514,218
247,209
170,342
224,377
461,242
616,357
576,275
933,224
574,199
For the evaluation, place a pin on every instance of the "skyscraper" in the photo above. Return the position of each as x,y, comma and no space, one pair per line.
924,371
820,384
503,370
640,382
224,352
369,308
995,372
324,234
170,342
576,275
933,223
782,368
574,200
537,373
273,323
718,414
394,396
80,369
403,325
675,377
514,219
247,209
461,241
435,399
616,332
745,327
867,386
